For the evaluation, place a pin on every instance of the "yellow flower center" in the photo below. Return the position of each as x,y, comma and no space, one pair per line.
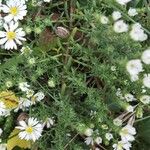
11,35
29,130
125,131
14,11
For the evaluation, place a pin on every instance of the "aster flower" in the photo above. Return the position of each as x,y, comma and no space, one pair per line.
122,146
116,15
137,33
146,80
16,10
127,133
145,99
120,26
132,12
134,67
11,36
104,20
24,86
108,136
123,2
31,130
146,56
37,97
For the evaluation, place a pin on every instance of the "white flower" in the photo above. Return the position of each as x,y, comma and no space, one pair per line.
127,133
104,20
48,122
146,56
1,131
123,2
3,146
129,97
29,93
26,50
129,108
122,146
12,36
24,86
117,122
31,130
15,9
132,12
145,99
134,67
134,77
146,80
37,97
108,136
137,33
120,26
89,140
116,15
23,103
2,109
88,132
48,1
98,140
31,61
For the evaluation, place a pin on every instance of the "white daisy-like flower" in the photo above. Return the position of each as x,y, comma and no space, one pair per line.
104,20
25,50
127,133
3,111
117,122
29,93
123,2
23,103
108,136
137,33
47,1
11,36
89,141
146,80
120,26
129,97
132,12
129,108
146,56
31,130
134,67
121,145
16,10
145,99
88,132
116,15
1,131
24,86
37,97
98,140
48,122
134,77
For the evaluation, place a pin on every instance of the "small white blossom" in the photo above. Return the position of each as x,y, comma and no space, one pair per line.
145,99
132,12
129,108
137,33
146,80
134,67
24,86
108,136
120,26
116,15
127,133
129,97
117,122
104,20
123,2
88,132
121,145
146,56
